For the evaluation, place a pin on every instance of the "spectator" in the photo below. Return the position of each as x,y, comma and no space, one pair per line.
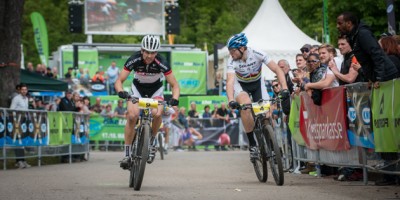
54,105
305,50
68,75
39,69
375,63
49,73
29,67
112,75
206,113
20,102
97,107
301,62
284,65
40,105
54,70
98,78
314,48
66,103
389,46
120,110
192,112
223,115
107,112
86,105
347,74
187,137
207,123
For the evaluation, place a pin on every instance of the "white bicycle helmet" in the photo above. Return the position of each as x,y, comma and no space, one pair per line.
151,43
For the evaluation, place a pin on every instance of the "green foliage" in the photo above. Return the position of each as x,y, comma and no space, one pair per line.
206,21
308,15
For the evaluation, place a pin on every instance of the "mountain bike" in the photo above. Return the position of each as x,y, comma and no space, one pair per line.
140,144
267,144
160,143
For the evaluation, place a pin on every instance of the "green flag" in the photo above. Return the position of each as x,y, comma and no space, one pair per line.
40,36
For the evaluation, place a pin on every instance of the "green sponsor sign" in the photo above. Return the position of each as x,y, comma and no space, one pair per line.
201,101
382,116
40,37
190,70
88,60
60,127
294,121
106,129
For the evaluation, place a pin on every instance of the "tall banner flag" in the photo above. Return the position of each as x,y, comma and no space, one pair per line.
40,36
391,17
294,121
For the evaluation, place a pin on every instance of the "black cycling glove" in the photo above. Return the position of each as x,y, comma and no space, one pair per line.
285,94
234,104
173,102
123,94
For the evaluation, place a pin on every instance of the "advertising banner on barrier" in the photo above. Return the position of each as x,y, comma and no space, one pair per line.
325,126
359,115
81,129
61,126
214,131
106,129
294,121
190,70
2,127
386,138
26,128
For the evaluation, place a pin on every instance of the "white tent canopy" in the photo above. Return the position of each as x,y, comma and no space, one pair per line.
273,32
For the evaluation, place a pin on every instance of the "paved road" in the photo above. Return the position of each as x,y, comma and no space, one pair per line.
183,175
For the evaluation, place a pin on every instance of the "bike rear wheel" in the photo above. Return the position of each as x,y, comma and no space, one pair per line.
160,145
140,156
260,163
274,154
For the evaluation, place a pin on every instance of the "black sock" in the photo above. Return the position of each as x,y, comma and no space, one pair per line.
250,136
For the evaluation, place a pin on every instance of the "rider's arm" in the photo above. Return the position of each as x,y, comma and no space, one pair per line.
174,85
121,78
230,78
279,73
324,83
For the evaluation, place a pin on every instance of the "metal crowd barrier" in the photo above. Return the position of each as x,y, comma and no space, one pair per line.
42,134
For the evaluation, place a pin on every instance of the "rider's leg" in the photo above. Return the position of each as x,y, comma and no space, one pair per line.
247,118
132,118
157,120
166,137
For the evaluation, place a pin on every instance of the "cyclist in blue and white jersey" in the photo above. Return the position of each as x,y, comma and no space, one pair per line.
244,80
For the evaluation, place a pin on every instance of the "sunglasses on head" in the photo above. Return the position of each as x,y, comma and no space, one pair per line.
304,50
312,61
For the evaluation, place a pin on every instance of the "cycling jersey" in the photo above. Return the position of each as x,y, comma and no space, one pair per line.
148,78
249,70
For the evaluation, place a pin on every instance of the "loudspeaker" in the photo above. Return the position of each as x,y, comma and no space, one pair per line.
75,16
172,20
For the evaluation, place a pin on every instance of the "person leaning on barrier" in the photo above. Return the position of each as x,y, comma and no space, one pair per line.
347,73
375,64
120,110
244,69
20,102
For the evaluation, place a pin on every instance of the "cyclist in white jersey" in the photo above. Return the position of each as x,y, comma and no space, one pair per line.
244,80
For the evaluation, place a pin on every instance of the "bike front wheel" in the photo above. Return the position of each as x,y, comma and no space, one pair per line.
260,163
273,154
160,145
140,156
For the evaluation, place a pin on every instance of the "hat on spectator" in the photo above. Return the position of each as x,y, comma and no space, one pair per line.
306,46
69,91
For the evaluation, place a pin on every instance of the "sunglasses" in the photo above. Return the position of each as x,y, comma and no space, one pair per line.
304,50
312,61
274,86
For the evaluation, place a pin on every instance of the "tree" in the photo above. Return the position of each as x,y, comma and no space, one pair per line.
10,47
